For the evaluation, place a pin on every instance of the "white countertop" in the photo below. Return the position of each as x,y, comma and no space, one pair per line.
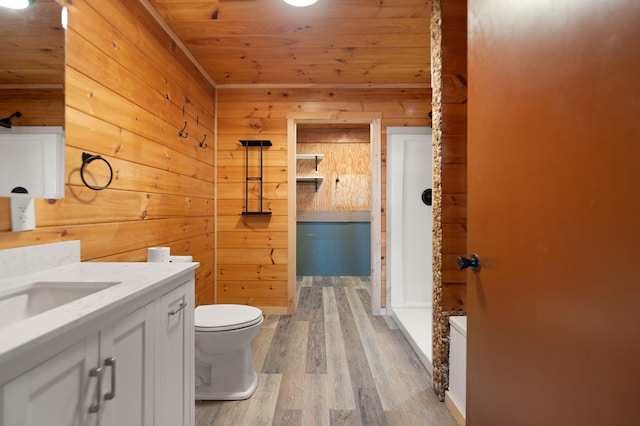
137,281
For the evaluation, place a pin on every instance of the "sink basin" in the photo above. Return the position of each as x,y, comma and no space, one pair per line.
22,302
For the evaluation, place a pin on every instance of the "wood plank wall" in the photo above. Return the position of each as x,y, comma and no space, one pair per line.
252,252
128,93
449,77
39,107
454,151
345,170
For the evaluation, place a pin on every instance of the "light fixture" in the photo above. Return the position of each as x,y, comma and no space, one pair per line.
16,4
300,3
64,18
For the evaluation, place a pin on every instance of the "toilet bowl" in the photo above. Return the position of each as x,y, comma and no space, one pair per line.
224,363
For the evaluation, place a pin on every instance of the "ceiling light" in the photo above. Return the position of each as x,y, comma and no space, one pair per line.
16,4
300,3
64,18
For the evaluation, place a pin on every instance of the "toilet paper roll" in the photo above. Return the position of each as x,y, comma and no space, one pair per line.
178,259
158,254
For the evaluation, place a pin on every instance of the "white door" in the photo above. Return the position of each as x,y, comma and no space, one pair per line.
174,388
58,392
126,353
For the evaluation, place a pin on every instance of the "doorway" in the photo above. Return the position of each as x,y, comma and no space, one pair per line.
344,119
333,200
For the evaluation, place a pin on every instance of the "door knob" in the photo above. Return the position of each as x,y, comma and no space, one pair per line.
473,261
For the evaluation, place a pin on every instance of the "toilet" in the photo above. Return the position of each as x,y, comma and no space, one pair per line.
224,363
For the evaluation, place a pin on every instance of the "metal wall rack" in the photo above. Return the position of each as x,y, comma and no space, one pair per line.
247,144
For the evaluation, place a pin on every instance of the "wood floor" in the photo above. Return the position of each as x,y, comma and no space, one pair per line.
332,363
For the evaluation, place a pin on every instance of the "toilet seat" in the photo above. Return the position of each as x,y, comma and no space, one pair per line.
212,318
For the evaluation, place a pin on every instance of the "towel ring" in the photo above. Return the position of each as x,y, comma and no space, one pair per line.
88,158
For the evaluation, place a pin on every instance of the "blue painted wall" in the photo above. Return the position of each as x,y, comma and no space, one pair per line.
333,249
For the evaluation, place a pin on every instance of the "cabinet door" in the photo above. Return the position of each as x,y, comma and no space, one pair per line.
174,389
57,392
126,352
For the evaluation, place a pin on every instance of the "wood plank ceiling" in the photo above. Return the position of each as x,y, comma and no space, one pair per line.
239,42
333,42
32,46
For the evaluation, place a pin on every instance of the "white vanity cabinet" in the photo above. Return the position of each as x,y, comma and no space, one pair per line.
137,369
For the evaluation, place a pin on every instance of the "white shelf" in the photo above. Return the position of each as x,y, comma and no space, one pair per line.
315,179
317,157
309,156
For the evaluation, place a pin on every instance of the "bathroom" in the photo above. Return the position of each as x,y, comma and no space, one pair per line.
171,139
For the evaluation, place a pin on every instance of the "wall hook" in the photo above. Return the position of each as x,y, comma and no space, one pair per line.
182,132
6,122
202,144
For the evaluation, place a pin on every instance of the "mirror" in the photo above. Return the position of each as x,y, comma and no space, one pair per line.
32,64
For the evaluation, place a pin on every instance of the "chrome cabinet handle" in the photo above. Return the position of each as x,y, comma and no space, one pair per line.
178,309
96,372
111,362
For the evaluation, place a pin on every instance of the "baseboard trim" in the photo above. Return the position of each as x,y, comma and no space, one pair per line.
453,408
